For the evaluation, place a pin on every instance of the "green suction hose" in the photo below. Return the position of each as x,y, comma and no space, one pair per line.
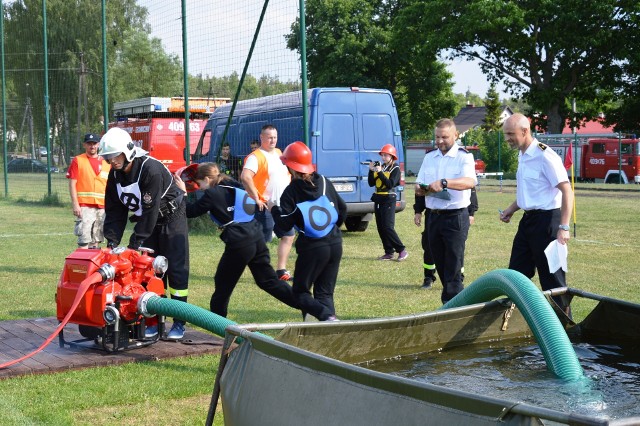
156,305
555,345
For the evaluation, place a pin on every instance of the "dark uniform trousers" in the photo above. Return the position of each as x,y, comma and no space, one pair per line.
319,267
448,230
170,239
536,230
385,213
427,256
233,262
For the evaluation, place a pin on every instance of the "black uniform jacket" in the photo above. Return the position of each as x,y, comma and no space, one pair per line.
155,180
288,214
217,201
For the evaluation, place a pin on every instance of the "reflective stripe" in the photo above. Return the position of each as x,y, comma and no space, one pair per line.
179,293
430,267
90,187
91,194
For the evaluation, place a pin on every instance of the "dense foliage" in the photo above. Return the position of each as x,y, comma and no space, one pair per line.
546,51
358,43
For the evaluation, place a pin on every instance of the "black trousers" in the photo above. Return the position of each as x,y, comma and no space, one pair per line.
535,231
447,238
428,263
232,265
170,238
317,268
385,213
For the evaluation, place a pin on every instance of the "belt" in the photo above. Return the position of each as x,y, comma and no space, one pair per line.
538,211
444,212
170,206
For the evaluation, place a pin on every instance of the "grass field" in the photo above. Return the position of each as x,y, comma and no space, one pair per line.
35,239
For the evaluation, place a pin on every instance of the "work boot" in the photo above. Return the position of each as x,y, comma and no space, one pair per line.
429,279
426,284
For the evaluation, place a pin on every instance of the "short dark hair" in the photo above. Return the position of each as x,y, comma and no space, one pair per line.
268,127
225,144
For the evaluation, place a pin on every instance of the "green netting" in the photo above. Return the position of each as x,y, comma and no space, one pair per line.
145,49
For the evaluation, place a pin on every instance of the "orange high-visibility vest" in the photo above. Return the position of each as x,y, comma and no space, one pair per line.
261,178
89,186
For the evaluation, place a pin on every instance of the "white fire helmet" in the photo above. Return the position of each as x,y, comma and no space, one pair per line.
115,142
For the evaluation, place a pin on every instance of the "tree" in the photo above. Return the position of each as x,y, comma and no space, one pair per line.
74,61
355,43
496,153
546,51
141,68
494,110
625,114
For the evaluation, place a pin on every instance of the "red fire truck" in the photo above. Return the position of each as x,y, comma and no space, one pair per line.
158,125
597,159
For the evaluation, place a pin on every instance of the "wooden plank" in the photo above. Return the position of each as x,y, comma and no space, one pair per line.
19,337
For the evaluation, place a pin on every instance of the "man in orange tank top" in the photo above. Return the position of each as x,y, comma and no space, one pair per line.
87,176
265,178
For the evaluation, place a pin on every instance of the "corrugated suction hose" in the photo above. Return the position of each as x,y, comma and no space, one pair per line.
156,305
546,327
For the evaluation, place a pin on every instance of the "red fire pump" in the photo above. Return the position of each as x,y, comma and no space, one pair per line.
106,286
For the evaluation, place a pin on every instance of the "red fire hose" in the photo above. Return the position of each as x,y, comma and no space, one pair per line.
94,278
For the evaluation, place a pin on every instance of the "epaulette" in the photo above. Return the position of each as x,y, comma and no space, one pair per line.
463,149
542,146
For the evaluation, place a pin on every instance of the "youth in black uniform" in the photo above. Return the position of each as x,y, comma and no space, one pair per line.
312,205
385,177
233,211
142,185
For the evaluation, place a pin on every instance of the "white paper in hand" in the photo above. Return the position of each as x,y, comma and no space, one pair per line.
556,256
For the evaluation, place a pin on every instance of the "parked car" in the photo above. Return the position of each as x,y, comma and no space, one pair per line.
28,165
43,151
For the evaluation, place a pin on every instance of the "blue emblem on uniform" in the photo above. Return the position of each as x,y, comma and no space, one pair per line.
319,216
244,208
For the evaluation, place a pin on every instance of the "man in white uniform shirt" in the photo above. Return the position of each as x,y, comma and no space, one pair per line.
264,178
545,195
446,177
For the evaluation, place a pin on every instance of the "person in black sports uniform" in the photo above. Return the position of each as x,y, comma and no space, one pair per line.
311,204
142,185
232,210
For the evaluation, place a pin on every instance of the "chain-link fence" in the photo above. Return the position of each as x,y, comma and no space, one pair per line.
53,64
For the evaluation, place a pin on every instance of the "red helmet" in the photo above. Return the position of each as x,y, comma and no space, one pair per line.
188,176
297,156
389,149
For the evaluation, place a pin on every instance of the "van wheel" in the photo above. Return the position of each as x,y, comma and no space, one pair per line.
613,179
355,224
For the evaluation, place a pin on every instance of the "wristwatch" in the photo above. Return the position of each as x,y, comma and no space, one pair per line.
443,182
564,227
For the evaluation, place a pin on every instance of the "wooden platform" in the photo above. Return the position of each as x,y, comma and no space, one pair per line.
21,337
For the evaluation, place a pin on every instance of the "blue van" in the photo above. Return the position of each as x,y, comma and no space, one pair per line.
347,127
